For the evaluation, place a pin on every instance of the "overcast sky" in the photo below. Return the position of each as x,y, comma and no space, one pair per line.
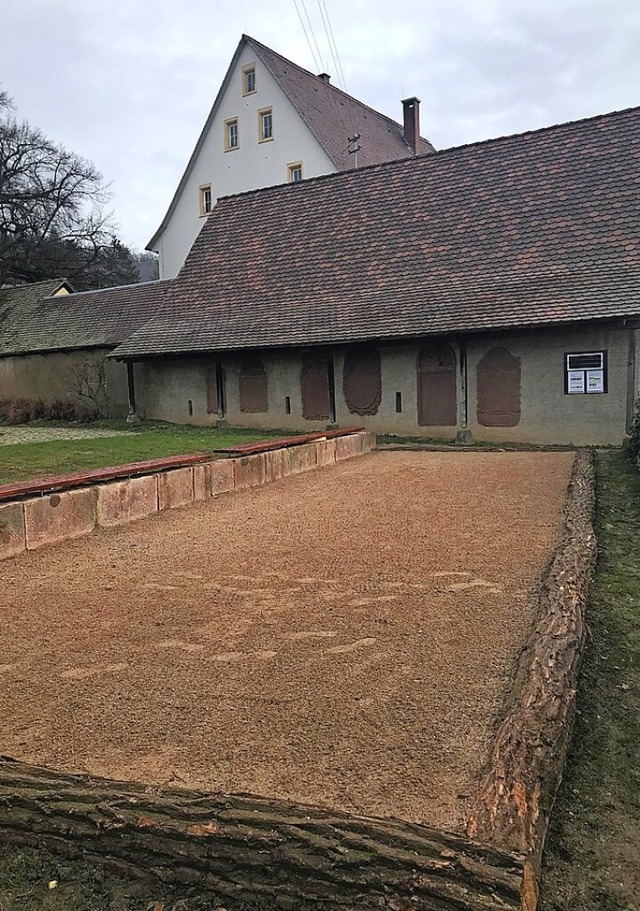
129,83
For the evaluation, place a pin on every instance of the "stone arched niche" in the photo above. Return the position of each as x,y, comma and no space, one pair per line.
314,390
437,401
498,389
253,387
362,381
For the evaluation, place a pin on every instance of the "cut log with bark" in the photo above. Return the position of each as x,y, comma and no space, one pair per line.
514,802
244,848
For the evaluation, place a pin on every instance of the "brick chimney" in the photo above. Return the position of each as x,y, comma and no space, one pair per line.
411,111
325,77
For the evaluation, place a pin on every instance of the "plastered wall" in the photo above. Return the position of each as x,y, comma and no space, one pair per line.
548,415
253,164
50,376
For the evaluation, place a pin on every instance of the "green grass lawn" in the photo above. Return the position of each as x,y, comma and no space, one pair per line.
592,859
149,440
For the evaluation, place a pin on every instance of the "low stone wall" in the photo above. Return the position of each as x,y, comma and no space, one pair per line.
35,522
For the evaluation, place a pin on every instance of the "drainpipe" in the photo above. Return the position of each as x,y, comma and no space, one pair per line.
333,413
220,390
132,416
631,379
463,435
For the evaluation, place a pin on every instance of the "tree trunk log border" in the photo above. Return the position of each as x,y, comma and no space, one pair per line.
277,854
241,848
516,796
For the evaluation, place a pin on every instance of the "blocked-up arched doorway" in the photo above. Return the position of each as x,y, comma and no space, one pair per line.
253,387
437,402
314,390
498,389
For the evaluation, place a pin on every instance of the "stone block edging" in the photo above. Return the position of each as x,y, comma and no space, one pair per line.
27,524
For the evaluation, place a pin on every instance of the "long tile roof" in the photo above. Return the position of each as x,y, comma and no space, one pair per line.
32,321
534,229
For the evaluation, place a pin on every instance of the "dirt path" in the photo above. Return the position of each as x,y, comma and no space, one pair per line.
25,433
344,637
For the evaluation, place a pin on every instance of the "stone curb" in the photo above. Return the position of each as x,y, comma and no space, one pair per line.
38,521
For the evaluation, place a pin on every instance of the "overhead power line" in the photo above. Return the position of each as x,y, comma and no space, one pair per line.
318,65
313,35
326,21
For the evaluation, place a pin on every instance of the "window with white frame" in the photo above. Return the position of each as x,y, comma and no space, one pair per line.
265,124
585,372
249,79
206,199
294,172
231,134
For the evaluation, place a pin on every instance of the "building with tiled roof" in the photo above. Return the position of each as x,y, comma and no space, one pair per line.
50,335
492,288
274,122
18,296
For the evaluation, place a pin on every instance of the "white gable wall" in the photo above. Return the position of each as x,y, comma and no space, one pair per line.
252,165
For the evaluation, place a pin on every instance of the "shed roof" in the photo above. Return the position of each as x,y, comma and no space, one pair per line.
535,229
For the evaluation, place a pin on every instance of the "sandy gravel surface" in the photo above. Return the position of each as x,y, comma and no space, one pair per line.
344,637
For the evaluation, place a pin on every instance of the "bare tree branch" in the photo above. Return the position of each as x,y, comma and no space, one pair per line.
53,220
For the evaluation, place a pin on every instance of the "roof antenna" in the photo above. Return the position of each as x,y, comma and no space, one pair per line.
354,147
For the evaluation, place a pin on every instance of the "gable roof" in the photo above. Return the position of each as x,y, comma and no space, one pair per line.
22,295
329,113
332,116
535,229
35,321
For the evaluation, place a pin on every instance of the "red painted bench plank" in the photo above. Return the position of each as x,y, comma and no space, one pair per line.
298,440
81,478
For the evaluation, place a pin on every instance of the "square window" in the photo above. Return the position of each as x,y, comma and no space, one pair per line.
265,121
206,199
294,172
231,134
585,373
248,79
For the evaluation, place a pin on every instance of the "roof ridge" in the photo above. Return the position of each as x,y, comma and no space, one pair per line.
42,281
264,52
413,160
153,281
330,85
545,129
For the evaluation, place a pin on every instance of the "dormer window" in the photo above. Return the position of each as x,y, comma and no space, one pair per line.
231,135
265,125
249,79
206,199
294,172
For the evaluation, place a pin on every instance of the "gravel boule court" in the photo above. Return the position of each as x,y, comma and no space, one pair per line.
346,637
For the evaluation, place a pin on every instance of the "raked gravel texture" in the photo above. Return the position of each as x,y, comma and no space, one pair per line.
346,637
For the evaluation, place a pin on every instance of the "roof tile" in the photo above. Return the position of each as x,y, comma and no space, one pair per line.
520,231
32,321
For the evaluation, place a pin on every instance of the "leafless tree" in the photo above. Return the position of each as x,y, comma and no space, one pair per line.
89,384
53,217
